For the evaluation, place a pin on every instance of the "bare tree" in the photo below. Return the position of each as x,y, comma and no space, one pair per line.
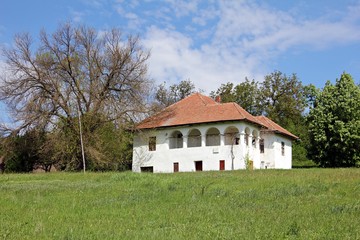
101,76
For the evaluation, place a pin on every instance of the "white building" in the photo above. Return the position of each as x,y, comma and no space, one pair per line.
200,134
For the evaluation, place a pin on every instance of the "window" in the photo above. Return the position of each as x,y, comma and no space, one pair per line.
176,140
152,144
262,146
283,148
194,138
231,136
147,169
213,137
254,136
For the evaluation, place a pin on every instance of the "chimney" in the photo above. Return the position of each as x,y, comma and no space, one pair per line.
218,99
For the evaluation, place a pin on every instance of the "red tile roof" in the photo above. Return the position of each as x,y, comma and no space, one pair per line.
198,108
274,127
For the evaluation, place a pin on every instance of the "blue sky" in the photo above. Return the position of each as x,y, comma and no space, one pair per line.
212,42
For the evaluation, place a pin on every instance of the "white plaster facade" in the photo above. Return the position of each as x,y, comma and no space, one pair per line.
177,148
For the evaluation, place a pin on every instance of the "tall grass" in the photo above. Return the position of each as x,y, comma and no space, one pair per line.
266,204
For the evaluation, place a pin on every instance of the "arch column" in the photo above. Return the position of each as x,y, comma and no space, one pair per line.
222,139
185,141
203,140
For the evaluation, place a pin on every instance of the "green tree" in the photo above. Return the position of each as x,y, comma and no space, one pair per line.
334,124
21,151
311,93
226,92
107,146
282,98
167,96
247,95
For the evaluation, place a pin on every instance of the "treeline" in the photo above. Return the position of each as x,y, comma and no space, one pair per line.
76,98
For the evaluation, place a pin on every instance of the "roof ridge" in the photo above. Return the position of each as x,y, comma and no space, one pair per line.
202,99
237,109
176,103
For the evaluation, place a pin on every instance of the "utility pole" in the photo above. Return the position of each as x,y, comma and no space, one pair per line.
81,141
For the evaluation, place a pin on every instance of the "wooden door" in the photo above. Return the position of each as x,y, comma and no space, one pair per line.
198,166
176,166
222,165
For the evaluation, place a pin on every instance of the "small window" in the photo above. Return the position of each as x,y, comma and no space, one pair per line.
152,144
283,148
253,142
147,169
262,146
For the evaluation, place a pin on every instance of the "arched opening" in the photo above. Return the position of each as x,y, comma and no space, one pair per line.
232,136
247,134
176,140
213,137
254,136
194,138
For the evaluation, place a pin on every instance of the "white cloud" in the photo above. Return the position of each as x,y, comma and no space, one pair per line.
94,3
134,21
77,16
257,28
174,58
184,8
245,39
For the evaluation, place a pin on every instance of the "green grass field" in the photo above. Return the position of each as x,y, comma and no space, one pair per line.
262,204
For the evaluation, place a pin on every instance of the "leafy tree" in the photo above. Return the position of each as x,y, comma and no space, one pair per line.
75,71
21,152
282,98
167,96
226,92
247,95
279,97
334,124
311,93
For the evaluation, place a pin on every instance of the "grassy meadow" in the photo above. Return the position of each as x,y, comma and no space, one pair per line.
261,204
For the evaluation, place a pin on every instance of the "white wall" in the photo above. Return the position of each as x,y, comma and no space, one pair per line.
163,158
272,156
